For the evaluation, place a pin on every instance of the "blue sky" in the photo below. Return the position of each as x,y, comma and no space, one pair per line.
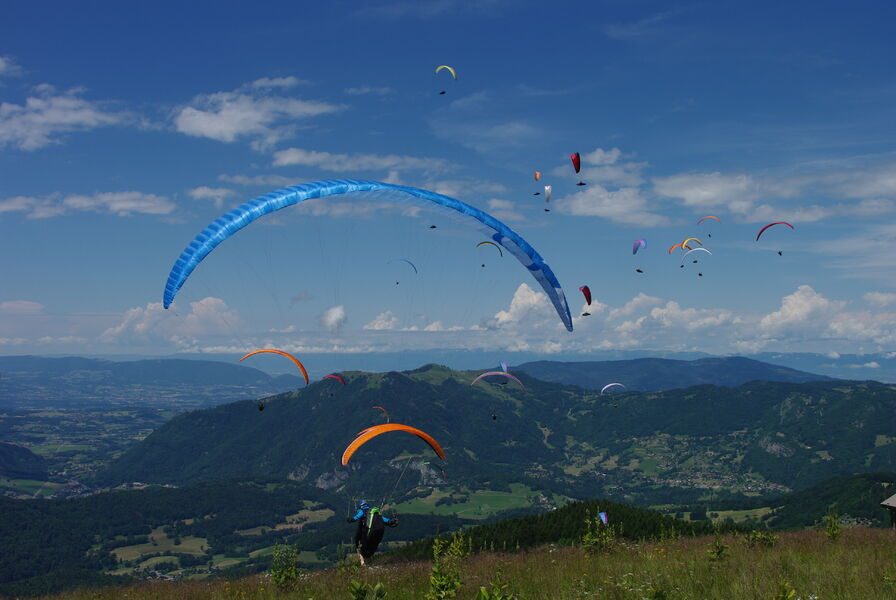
125,129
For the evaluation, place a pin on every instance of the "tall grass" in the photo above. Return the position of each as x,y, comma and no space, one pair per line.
861,564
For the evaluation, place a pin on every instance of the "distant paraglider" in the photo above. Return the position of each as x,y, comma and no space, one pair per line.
450,70
490,243
586,291
642,243
335,377
384,411
676,246
404,260
295,360
709,218
761,231
696,250
610,386
576,160
498,374
548,192
372,432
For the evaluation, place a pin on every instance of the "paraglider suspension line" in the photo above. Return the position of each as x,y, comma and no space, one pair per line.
394,487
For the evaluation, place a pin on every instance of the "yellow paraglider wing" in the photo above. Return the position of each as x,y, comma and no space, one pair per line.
449,69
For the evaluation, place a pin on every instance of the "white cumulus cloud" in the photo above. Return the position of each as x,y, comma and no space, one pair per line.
47,116
153,324
256,111
880,299
804,309
8,67
525,302
216,195
121,204
384,321
329,161
333,318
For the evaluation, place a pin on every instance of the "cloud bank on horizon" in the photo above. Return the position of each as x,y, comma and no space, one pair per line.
108,171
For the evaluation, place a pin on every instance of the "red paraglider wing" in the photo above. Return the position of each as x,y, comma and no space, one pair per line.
336,377
586,291
576,161
761,231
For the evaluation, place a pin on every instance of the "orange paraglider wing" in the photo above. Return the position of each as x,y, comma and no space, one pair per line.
372,432
281,353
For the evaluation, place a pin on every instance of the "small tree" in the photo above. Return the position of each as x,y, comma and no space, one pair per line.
759,538
598,538
285,566
832,527
444,578
718,551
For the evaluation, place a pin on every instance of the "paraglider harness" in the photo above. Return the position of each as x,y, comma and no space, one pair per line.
371,527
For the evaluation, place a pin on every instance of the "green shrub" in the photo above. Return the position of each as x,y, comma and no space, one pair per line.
285,566
499,591
718,551
832,527
759,538
598,538
444,578
358,590
785,592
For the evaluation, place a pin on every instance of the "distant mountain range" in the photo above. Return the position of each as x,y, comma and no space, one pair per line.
757,438
41,382
656,374
879,366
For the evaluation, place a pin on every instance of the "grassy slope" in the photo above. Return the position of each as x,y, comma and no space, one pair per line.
857,566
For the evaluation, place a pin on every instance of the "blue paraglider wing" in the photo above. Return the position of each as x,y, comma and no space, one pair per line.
404,260
225,226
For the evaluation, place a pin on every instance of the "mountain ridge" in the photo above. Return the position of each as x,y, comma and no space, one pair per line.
760,437
656,374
